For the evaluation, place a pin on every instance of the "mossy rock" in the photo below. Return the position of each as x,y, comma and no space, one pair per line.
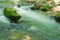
11,14
57,17
35,7
45,7
30,1
57,14
18,5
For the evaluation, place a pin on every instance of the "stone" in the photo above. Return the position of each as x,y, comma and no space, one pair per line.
12,15
57,17
35,8
45,7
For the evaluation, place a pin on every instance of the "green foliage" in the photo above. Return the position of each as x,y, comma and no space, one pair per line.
11,14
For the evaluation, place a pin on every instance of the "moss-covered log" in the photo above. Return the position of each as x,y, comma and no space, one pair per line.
12,15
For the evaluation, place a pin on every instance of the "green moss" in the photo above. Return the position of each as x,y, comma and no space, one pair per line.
45,7
11,14
18,5
35,8
57,17
57,14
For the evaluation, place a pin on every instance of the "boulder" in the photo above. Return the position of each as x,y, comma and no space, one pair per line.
35,8
18,5
12,15
45,7
57,17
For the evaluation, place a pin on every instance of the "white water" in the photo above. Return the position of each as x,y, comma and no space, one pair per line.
3,19
40,18
37,18
42,23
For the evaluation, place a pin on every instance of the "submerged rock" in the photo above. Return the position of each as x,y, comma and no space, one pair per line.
12,15
57,17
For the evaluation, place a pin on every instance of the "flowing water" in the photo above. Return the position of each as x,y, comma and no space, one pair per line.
33,26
